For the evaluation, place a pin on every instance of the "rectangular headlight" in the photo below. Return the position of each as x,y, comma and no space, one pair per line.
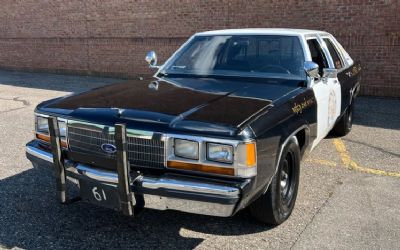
42,125
42,129
219,152
62,126
186,149
212,156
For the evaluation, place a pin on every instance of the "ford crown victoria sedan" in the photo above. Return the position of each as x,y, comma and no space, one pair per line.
222,125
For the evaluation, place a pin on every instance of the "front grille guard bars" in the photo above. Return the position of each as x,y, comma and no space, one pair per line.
146,151
58,159
126,198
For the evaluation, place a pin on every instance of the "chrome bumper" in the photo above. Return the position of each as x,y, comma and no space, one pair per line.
161,193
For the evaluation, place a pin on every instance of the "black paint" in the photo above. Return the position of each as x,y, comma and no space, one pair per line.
219,107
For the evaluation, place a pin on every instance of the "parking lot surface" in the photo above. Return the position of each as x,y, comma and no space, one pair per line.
348,196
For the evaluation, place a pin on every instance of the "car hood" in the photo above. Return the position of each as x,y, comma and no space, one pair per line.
181,103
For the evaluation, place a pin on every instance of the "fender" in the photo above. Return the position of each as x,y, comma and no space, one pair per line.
262,183
272,132
283,145
349,79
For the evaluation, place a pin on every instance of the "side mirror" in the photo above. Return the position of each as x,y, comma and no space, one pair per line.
151,59
312,69
329,73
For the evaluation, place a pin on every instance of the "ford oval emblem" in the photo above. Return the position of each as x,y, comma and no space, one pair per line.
108,148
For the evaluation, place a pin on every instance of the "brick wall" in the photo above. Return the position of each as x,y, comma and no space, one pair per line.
112,37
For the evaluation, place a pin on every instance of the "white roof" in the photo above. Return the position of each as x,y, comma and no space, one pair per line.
263,31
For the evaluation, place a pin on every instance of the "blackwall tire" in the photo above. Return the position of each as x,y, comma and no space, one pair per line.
276,205
344,125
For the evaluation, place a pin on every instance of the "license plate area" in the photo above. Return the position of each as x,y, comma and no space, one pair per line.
100,194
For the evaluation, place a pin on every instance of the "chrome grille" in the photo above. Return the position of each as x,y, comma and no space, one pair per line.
89,142
141,152
145,152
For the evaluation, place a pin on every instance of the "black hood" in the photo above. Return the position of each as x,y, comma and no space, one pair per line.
178,102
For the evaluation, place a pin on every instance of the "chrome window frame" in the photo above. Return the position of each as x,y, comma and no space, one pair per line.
167,62
161,68
325,50
345,64
346,57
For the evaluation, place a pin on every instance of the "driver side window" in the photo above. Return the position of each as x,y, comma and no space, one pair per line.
317,55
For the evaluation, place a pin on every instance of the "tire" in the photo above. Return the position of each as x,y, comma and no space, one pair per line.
276,205
344,125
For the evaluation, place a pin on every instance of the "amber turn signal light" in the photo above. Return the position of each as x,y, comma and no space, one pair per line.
46,138
200,168
251,154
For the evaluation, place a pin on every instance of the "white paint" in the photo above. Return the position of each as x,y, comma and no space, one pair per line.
329,99
328,96
321,92
262,31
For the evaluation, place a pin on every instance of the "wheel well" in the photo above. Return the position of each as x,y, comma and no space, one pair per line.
301,138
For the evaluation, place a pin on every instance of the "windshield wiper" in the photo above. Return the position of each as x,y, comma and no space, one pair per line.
162,74
179,67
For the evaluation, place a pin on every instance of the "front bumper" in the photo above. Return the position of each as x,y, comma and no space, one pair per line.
174,192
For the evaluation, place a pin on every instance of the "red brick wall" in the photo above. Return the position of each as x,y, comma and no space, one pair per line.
112,37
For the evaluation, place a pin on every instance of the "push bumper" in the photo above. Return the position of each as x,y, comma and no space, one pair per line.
192,195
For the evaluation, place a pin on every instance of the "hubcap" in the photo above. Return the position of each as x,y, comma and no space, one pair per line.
285,180
288,178
350,119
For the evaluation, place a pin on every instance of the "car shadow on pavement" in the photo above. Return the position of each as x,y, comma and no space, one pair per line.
377,112
31,218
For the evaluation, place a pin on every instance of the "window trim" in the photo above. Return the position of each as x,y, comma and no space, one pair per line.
341,51
337,52
327,58
181,49
323,47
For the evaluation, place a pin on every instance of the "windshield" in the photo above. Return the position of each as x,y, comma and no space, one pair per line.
242,55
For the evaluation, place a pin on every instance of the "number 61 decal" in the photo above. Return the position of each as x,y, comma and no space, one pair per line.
99,196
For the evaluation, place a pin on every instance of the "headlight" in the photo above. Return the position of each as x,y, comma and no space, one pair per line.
214,156
42,129
62,125
42,125
186,149
219,152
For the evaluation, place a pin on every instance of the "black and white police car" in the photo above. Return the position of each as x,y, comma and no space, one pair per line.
221,126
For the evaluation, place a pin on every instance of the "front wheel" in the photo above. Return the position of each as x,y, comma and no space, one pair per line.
276,205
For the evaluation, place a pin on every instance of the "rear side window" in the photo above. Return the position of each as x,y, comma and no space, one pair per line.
317,55
334,54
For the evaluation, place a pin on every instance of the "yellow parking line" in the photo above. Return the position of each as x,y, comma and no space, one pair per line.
349,163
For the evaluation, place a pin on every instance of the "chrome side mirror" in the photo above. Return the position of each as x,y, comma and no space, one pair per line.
312,69
329,73
151,59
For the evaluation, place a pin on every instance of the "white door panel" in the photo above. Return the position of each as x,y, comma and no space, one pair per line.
328,96
321,92
327,90
337,92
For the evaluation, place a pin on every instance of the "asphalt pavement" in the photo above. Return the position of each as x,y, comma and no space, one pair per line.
348,196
